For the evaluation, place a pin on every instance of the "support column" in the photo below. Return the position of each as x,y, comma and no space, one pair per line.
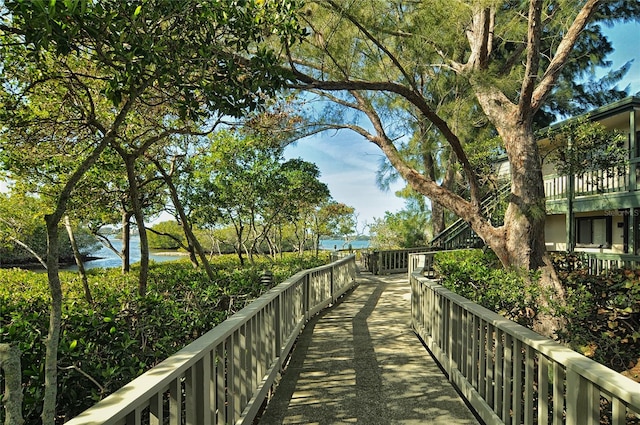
634,220
633,151
570,218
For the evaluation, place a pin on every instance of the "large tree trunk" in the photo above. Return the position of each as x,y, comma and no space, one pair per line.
521,244
55,320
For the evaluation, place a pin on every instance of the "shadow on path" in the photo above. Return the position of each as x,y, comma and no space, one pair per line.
359,362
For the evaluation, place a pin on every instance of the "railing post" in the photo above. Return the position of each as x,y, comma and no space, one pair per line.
576,399
306,294
278,323
332,285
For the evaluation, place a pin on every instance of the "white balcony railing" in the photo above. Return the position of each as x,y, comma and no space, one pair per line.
589,183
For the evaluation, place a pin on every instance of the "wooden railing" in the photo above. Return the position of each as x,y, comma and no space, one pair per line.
510,374
597,263
589,183
224,376
381,262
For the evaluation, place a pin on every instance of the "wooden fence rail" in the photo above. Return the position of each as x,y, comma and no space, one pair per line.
381,262
224,376
510,374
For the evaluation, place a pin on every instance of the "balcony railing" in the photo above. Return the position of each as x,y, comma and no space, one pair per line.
510,374
590,183
224,376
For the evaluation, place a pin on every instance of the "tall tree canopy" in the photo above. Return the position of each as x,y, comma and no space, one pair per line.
506,58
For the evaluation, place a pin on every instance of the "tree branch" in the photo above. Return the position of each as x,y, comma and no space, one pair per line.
562,53
309,83
533,52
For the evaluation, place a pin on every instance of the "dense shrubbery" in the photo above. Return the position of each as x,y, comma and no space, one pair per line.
477,275
105,345
602,312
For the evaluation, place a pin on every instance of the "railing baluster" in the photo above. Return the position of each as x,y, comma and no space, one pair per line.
594,404
175,402
156,409
529,374
507,387
517,382
482,371
558,393
234,377
543,390
490,370
498,381
221,384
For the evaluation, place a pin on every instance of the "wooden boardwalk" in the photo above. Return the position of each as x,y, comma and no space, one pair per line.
359,362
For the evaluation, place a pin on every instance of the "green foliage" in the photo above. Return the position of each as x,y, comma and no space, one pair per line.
334,219
404,229
244,182
603,313
159,239
477,275
582,146
122,335
22,219
169,39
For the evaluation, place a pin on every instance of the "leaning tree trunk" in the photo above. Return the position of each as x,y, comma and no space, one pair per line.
136,206
192,240
78,257
521,244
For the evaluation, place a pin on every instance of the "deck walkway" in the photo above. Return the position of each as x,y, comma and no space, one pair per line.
360,362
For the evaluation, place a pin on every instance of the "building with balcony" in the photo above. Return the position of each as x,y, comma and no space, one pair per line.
592,212
598,211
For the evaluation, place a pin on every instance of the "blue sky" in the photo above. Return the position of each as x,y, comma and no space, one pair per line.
348,162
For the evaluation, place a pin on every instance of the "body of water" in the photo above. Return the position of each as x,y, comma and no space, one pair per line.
331,244
108,259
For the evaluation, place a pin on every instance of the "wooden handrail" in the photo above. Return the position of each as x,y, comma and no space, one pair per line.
510,374
224,376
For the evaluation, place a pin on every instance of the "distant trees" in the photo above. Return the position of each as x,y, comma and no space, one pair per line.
333,219
23,234
243,182
403,229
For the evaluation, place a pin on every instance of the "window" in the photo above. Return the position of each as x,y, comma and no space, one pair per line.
593,232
